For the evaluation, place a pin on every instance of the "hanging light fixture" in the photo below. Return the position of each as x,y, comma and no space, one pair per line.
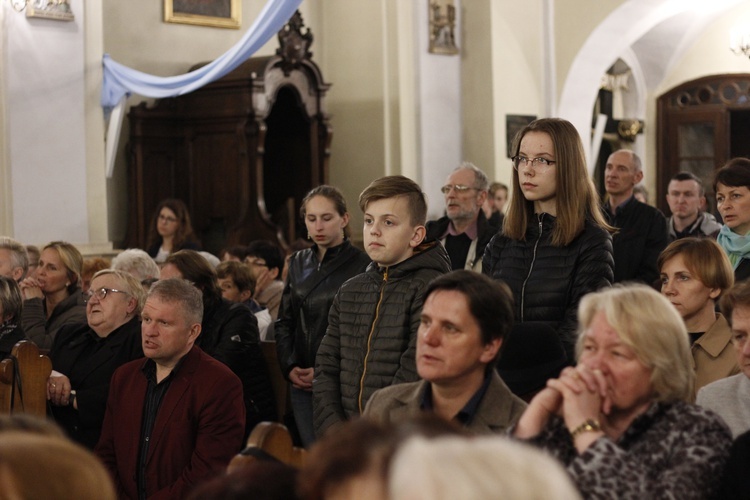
19,5
739,40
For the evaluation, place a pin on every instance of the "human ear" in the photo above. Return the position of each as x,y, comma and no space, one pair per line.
419,233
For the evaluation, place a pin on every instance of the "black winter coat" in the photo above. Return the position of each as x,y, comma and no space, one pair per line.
548,281
486,229
229,334
371,338
308,295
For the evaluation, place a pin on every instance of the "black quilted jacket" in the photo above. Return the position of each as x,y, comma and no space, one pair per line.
371,338
547,281
308,295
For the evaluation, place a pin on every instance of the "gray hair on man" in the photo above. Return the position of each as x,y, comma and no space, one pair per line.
481,181
18,255
181,292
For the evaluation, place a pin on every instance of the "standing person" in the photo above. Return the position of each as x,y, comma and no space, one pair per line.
694,274
52,298
314,278
494,206
464,230
555,246
176,418
170,230
686,198
371,338
642,229
85,356
732,188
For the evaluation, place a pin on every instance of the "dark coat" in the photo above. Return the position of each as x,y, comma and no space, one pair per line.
736,482
42,330
9,340
371,338
229,333
89,362
498,410
548,281
198,428
642,235
743,271
485,231
308,295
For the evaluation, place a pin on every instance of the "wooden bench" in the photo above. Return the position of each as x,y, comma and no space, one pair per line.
269,440
29,394
278,382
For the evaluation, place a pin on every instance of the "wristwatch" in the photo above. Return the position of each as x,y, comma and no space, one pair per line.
589,425
72,397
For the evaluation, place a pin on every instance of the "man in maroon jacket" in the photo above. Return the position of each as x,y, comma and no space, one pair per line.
177,417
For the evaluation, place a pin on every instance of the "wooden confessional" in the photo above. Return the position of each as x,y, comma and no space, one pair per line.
240,152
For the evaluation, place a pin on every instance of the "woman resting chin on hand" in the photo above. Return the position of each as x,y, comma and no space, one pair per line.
620,420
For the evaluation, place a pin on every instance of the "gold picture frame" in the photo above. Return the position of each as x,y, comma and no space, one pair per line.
214,13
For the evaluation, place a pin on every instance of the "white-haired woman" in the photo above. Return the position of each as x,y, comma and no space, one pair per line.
620,420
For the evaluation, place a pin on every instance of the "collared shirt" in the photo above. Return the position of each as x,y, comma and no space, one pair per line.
612,216
466,415
154,395
472,231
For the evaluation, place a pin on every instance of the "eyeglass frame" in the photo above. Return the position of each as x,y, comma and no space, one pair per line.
167,218
458,188
103,291
255,261
539,163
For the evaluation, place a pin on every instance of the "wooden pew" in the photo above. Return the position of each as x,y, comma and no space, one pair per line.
278,382
269,440
24,390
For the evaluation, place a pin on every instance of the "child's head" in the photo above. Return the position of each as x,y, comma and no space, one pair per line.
236,281
395,211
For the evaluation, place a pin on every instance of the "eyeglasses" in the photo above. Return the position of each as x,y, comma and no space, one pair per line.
540,163
167,218
460,188
256,262
100,293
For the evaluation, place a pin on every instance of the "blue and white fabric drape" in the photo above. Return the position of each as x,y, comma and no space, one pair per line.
119,81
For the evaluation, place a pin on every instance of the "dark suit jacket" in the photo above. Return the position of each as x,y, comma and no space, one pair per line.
198,428
498,410
89,364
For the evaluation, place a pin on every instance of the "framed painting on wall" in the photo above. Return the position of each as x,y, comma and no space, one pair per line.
215,13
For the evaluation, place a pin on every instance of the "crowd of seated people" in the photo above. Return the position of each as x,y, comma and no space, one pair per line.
536,377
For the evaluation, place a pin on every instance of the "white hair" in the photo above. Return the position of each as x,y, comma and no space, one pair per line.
136,262
475,469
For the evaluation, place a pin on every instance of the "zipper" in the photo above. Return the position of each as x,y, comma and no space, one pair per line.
531,268
369,340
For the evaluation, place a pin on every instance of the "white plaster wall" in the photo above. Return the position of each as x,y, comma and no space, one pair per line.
439,111
46,136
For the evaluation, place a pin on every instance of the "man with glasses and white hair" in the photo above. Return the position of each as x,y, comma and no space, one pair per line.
464,230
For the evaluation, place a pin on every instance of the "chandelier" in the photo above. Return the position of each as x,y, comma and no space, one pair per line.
739,41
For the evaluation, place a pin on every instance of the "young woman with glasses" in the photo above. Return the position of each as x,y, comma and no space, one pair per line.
170,230
555,246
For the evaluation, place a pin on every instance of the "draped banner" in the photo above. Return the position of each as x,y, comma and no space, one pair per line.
119,81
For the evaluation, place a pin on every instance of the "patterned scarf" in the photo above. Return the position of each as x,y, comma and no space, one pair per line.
7,327
736,246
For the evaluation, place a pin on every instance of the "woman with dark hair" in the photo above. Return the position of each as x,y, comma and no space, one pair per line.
11,305
170,230
52,298
694,274
732,188
315,275
555,246
229,333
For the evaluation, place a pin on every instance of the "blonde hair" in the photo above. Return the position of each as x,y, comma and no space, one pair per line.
648,324
42,466
490,467
71,259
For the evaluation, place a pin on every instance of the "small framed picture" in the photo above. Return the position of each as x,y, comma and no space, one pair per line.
214,13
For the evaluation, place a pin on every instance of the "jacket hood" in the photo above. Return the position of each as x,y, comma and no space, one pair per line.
429,255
